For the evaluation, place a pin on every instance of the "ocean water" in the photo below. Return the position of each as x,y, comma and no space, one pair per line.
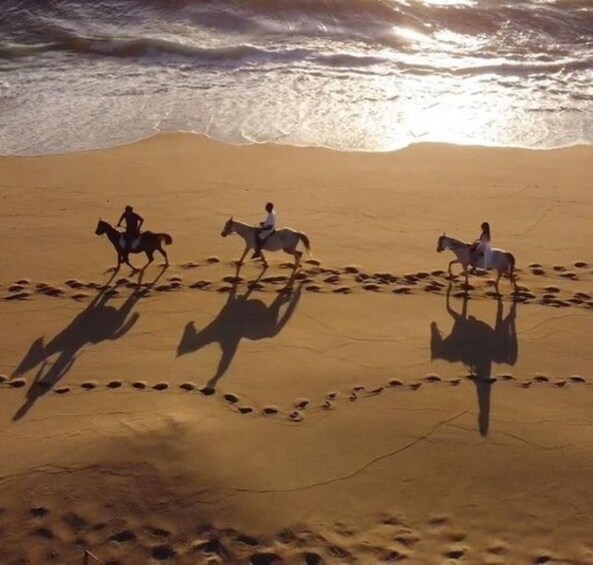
372,75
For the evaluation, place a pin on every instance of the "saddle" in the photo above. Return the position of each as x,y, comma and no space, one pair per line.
126,245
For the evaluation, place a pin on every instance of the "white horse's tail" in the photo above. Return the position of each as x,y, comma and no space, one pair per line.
305,240
511,259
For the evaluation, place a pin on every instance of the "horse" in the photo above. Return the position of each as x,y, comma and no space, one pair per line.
284,239
147,242
500,260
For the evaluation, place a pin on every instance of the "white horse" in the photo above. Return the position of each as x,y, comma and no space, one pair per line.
284,239
500,260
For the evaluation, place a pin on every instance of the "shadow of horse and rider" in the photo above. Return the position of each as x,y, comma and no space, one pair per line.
241,317
478,346
100,321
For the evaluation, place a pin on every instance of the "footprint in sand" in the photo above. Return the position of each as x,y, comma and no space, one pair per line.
352,269
207,391
415,386
301,403
114,384
124,536
454,382
313,288
140,385
328,405
45,533
88,385
310,558
213,259
163,553
455,554
17,383
161,386
245,409
506,377
432,378
343,290
402,290
231,398
395,382
62,390
200,284
538,271
38,511
577,379
187,386
19,296
541,378
581,264
371,287
247,540
270,410
296,416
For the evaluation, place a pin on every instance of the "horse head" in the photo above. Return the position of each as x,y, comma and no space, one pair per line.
441,243
101,227
229,227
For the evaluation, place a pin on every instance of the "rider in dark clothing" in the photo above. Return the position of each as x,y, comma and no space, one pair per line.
133,224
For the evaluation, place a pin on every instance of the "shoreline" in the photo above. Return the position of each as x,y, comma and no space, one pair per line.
183,133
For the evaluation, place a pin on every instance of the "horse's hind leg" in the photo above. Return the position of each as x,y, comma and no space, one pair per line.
163,253
150,256
297,256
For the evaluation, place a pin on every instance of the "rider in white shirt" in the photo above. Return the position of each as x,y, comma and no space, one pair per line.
266,229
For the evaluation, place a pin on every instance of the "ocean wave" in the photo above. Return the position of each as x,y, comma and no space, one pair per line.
150,48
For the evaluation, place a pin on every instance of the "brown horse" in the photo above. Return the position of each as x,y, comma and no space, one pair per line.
147,242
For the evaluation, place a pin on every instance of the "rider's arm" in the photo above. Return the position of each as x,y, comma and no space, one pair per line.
121,219
140,222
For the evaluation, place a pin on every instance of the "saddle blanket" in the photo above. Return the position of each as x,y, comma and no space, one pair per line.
135,242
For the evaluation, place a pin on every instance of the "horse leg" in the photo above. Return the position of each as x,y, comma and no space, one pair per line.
240,261
163,253
499,274
263,260
126,260
150,256
298,255
450,264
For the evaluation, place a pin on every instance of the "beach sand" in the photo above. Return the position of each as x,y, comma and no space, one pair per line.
368,410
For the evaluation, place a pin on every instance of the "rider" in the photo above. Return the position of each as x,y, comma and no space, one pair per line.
133,224
265,230
481,250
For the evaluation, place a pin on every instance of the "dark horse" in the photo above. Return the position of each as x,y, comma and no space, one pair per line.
148,243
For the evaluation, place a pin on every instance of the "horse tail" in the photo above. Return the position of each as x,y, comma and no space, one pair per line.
305,240
511,260
165,238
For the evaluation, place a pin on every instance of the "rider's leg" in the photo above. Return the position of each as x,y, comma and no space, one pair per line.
258,244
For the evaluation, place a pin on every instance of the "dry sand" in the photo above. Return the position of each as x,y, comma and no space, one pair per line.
377,411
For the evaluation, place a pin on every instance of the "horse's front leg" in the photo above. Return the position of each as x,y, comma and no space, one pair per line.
242,258
126,260
451,264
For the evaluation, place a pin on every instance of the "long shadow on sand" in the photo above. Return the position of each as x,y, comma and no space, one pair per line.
98,322
478,345
240,318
